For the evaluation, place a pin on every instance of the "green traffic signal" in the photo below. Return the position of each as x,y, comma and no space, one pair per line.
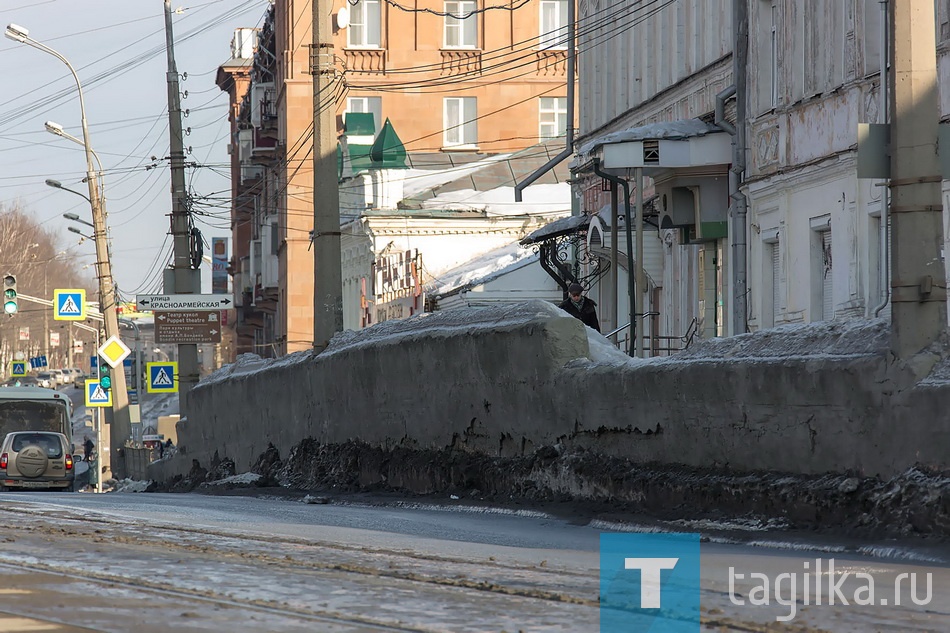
105,375
10,302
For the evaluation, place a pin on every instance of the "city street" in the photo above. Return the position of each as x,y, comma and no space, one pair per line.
189,562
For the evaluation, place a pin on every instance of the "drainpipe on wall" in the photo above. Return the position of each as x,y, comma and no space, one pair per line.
614,261
740,207
569,136
885,251
631,278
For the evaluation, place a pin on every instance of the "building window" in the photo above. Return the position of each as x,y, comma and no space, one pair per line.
459,119
461,24
373,105
553,24
364,30
552,117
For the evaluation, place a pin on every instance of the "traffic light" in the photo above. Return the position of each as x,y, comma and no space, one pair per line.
105,375
9,294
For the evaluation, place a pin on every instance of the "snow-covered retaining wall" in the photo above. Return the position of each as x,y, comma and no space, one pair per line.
507,381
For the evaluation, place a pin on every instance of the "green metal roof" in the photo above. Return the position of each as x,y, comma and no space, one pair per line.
359,124
388,152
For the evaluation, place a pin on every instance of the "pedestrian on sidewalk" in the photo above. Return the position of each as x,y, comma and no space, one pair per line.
87,447
581,307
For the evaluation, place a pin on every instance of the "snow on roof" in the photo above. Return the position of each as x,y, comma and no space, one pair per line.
537,199
665,130
416,181
563,226
482,269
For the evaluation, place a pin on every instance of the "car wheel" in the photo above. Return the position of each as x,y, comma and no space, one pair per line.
32,461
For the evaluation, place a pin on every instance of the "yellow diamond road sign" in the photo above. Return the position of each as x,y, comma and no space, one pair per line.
114,351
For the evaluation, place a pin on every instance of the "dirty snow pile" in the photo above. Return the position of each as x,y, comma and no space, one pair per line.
841,338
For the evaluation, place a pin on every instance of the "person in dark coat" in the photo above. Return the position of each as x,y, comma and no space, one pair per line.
87,447
581,307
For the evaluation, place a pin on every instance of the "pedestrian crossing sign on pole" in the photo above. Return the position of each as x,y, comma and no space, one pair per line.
162,377
18,368
96,396
69,305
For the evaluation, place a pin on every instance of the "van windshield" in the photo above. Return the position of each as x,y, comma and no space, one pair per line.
32,415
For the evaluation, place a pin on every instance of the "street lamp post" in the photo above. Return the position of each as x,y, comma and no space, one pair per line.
121,426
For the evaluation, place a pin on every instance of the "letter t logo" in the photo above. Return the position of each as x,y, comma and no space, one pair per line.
650,569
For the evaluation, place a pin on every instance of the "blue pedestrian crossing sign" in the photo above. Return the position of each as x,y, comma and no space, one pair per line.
96,396
69,305
18,368
162,377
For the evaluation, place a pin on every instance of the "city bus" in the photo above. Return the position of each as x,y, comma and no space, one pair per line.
35,409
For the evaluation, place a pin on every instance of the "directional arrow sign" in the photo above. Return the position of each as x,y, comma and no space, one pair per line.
187,327
182,302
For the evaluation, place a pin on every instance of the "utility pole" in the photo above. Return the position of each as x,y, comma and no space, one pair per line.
327,273
120,427
183,273
918,280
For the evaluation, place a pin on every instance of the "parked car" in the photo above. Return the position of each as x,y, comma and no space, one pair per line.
37,459
45,379
22,381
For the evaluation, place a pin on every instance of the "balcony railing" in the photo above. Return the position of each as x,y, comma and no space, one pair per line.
551,62
461,62
366,61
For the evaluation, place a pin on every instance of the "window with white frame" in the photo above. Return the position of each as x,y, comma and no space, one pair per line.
364,30
553,24
461,24
552,117
459,120
373,105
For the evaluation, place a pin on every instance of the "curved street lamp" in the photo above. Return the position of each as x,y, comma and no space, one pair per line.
76,218
122,425
55,128
55,184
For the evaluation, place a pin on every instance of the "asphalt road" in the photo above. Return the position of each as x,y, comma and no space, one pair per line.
190,562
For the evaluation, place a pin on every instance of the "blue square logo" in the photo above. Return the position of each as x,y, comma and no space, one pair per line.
649,583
